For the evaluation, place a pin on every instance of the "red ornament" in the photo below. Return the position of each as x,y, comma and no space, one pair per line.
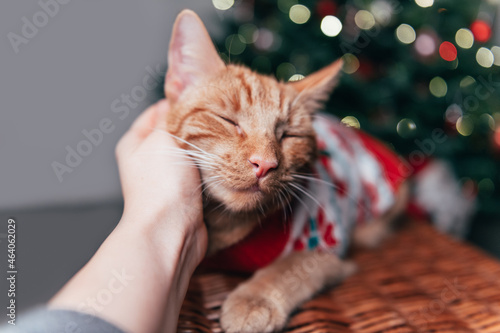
326,7
448,51
481,31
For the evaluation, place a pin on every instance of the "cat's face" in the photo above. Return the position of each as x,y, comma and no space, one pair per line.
250,135
256,137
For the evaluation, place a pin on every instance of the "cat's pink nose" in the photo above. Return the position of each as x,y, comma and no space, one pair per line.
262,165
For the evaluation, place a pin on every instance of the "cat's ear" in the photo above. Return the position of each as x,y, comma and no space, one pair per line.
316,87
191,55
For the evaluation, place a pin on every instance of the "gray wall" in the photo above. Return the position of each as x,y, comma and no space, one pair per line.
64,79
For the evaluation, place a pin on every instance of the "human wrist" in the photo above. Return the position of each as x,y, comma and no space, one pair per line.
174,232
152,210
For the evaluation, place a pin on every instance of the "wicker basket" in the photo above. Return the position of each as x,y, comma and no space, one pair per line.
419,281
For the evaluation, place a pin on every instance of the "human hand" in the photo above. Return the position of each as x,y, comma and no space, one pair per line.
159,241
159,185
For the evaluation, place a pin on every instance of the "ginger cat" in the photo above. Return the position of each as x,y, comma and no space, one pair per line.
269,164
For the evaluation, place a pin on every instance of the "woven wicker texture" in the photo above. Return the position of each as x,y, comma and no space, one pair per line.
418,281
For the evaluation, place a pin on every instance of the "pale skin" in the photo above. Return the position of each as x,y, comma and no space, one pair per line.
158,243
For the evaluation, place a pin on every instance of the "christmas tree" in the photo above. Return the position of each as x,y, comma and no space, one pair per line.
422,75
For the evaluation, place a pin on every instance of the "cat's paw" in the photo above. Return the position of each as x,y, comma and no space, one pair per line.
242,312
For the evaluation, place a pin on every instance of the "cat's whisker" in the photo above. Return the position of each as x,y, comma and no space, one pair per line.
317,180
341,190
195,164
219,206
322,181
198,187
289,200
180,151
298,198
212,184
205,182
200,155
205,165
303,190
261,209
198,163
186,142
198,158
282,203
282,197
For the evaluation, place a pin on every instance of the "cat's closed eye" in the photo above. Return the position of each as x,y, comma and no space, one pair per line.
287,135
232,122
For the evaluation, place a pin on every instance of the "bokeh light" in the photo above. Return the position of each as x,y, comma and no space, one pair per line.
406,128
486,186
497,137
351,63
464,38
223,4
425,44
265,39
467,81
405,34
465,126
285,5
453,113
249,33
331,26
487,120
235,44
481,31
438,87
351,121
299,14
496,54
285,71
424,3
485,57
453,64
382,10
296,77
448,51
364,19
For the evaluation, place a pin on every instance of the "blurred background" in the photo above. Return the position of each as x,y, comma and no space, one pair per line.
411,67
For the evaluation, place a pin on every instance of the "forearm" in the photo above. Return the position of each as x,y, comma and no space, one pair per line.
137,279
